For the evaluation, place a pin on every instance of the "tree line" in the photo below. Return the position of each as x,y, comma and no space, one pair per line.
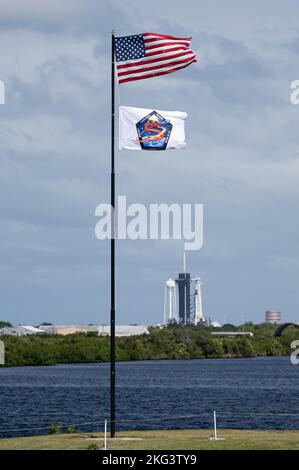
175,342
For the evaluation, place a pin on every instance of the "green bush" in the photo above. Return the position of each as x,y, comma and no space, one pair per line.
70,429
54,428
92,447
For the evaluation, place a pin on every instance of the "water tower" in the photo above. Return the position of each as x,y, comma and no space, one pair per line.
273,316
170,311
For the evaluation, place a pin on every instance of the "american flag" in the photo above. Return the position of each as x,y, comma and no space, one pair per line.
149,55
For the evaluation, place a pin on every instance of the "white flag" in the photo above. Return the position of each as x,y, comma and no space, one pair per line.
150,129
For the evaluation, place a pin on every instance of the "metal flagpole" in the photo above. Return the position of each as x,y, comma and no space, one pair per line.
112,311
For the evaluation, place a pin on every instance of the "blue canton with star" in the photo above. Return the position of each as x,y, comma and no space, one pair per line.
129,48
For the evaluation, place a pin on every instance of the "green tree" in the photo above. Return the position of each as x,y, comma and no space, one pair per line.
5,324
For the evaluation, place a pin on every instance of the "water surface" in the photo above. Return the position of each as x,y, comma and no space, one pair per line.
256,393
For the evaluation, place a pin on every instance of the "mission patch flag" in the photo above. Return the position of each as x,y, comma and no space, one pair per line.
150,129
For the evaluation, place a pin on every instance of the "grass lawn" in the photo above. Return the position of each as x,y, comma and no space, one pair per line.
160,440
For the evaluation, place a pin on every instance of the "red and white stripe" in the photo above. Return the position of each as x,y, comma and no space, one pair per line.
163,54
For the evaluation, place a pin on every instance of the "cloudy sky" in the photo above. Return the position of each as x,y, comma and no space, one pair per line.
241,161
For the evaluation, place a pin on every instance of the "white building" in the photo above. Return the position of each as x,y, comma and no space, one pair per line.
101,330
170,307
21,330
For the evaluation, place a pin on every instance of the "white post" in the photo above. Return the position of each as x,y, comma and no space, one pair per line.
105,436
175,306
215,426
165,304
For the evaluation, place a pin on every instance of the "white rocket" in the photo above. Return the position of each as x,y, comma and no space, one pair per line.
198,315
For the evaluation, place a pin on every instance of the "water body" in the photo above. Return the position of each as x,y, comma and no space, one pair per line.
257,393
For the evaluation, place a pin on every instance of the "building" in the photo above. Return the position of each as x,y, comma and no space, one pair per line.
215,324
66,329
21,330
100,330
123,330
273,316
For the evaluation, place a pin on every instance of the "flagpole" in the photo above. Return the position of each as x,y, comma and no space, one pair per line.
112,311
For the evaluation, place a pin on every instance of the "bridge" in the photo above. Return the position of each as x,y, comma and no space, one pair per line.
280,329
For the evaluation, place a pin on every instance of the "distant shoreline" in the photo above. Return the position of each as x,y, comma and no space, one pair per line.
180,343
